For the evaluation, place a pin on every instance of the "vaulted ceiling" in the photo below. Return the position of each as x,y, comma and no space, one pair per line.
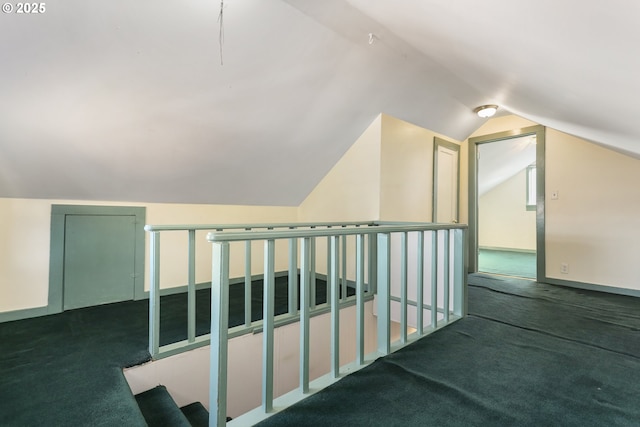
150,101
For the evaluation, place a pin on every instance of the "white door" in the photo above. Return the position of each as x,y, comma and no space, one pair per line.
446,168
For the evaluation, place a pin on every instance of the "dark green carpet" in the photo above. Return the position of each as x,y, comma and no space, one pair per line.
66,369
197,414
173,308
528,355
160,410
508,263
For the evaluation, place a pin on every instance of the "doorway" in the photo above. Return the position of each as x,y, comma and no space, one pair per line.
506,203
446,181
97,255
506,207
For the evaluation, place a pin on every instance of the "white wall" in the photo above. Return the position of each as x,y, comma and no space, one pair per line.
24,253
503,218
387,174
594,224
351,189
406,184
25,230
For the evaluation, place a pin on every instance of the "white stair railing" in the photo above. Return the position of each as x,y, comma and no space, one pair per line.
436,248
193,341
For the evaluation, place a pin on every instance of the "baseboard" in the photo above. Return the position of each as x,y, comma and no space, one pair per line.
206,285
27,313
592,287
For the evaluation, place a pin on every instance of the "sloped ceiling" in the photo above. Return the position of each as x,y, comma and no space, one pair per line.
139,100
501,160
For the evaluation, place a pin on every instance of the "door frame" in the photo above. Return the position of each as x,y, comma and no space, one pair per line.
439,142
539,132
56,263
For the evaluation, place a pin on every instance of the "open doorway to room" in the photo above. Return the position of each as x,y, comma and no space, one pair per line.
506,203
506,207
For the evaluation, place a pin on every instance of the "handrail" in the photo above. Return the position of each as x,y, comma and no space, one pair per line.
235,236
447,265
184,227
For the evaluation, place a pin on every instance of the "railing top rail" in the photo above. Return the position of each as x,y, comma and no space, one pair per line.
186,227
231,236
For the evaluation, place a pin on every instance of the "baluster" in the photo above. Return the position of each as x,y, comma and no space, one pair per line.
360,299
328,284
335,306
434,279
191,288
219,334
420,285
247,282
445,280
293,276
305,271
343,288
403,287
373,266
154,294
460,277
268,325
384,293
312,275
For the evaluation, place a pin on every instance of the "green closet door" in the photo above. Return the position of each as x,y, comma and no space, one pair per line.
99,257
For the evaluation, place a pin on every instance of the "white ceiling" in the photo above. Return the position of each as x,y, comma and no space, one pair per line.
128,100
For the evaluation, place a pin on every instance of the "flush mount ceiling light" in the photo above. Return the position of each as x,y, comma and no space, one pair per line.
485,111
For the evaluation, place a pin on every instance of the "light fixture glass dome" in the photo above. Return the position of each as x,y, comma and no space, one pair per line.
486,111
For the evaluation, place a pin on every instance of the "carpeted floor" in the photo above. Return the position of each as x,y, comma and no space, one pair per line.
527,355
508,263
66,369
